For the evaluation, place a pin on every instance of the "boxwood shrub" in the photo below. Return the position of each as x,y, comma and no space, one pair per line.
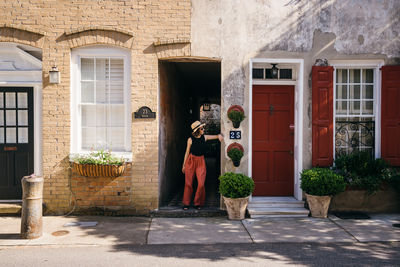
322,182
235,185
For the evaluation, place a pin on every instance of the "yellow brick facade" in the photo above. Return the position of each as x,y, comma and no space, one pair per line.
58,26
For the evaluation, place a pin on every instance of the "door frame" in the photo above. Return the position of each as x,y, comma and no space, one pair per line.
298,113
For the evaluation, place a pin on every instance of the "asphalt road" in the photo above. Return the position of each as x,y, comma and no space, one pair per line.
270,254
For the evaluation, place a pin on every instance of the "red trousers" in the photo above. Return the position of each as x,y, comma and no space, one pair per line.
195,165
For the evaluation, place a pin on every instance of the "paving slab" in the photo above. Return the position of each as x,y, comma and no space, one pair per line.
377,229
197,231
108,231
295,230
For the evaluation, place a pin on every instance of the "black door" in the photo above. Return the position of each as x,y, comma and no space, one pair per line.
16,139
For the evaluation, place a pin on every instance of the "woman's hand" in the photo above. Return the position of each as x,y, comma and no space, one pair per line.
183,169
220,137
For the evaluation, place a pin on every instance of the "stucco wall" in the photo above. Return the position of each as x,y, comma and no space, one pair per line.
237,31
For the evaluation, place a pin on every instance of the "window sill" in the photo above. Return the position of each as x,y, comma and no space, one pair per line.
126,155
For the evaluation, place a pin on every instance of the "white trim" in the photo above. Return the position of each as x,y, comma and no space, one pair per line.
362,64
99,51
298,116
274,82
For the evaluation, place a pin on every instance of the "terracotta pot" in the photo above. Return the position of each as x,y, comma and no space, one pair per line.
93,170
319,205
236,207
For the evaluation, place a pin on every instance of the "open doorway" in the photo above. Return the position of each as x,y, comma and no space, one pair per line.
186,89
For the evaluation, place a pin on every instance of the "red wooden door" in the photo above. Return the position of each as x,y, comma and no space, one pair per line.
273,140
391,114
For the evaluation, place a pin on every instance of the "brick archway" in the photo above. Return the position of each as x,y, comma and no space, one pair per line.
21,35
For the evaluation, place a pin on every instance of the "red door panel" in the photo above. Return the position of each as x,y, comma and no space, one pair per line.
273,140
391,114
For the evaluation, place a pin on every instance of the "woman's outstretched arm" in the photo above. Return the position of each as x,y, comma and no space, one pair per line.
220,137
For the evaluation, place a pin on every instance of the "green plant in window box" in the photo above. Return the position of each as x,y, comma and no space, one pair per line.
99,163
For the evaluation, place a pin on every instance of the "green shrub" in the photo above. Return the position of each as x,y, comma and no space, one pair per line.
322,182
235,185
101,157
235,154
395,180
236,115
361,171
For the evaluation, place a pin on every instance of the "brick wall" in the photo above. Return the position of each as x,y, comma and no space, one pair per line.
57,26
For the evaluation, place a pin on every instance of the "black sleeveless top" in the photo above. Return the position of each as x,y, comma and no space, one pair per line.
198,147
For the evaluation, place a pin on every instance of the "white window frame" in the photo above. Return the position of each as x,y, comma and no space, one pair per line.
98,52
361,64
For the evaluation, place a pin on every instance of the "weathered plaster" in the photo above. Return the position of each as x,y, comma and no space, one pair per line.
237,31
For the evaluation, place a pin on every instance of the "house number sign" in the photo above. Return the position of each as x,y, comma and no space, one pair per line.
235,134
145,113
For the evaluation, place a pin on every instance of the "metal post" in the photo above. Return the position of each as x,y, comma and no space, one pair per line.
31,217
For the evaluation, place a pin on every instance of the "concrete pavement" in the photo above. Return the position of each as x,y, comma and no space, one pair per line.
61,231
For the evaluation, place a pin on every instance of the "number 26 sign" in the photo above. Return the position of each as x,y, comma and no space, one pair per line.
235,134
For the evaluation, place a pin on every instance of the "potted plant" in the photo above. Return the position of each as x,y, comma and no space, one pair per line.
100,163
320,184
235,153
236,115
236,189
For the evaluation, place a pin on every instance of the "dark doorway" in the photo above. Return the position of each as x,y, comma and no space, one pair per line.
16,139
184,89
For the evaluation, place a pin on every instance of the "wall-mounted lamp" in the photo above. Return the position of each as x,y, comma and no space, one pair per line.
54,75
206,105
274,71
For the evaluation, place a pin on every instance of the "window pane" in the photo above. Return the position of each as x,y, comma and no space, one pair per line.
87,92
10,100
368,76
116,138
368,107
354,75
341,76
341,107
23,135
11,117
354,91
1,118
285,73
101,92
341,91
23,100
101,116
117,81
101,138
368,91
23,117
258,73
102,69
1,100
1,135
88,138
87,69
88,116
11,135
354,108
117,116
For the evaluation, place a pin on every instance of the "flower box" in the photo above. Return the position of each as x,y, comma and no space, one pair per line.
96,170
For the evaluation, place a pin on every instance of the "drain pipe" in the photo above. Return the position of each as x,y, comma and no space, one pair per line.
31,215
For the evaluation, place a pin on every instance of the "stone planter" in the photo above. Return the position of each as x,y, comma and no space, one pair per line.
359,200
319,205
236,207
93,170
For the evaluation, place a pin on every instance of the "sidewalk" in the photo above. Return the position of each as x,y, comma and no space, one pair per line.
200,230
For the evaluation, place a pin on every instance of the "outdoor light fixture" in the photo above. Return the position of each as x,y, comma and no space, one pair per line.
274,71
54,75
206,105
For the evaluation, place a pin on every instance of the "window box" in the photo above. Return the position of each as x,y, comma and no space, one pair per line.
97,170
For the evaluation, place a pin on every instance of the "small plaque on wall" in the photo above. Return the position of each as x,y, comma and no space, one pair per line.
235,135
145,113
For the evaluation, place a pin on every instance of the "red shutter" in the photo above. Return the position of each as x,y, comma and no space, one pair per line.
391,114
322,116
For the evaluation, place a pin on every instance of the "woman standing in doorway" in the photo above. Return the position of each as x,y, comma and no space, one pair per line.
194,164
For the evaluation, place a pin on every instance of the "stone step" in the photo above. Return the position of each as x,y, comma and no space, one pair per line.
10,208
276,205
275,200
278,216
278,211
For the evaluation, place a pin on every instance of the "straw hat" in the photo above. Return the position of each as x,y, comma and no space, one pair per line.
196,125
